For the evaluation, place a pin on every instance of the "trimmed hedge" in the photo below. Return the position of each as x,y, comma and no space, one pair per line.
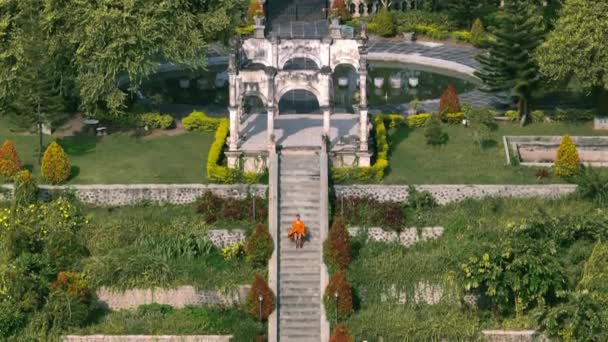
215,172
55,164
156,121
454,118
200,122
419,120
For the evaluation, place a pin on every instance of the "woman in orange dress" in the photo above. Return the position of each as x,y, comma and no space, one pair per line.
297,232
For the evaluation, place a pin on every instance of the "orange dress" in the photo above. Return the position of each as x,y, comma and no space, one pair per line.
297,227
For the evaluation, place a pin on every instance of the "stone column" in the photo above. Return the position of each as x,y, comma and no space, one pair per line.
275,41
234,132
326,120
363,125
270,126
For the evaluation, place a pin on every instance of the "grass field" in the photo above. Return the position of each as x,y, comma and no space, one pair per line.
123,158
461,160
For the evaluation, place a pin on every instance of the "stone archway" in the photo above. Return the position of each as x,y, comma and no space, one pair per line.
301,63
299,101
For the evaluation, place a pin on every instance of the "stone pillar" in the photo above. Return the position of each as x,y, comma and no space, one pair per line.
326,120
259,28
363,89
270,126
275,41
234,132
335,30
363,132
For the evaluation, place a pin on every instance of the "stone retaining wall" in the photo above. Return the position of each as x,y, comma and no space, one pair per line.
408,237
513,336
121,195
178,298
445,194
145,338
223,237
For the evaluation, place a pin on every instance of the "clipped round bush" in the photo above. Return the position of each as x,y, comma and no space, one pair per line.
513,115
10,163
383,24
156,121
55,164
478,33
260,288
200,122
340,334
259,246
568,162
419,120
344,299
538,116
336,249
449,102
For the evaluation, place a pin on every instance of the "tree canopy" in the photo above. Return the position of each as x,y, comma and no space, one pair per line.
90,44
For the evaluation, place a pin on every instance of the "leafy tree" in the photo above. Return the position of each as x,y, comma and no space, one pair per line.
465,11
508,64
384,24
259,246
336,249
481,121
10,163
433,133
344,299
449,101
255,10
340,334
260,288
478,33
576,48
568,162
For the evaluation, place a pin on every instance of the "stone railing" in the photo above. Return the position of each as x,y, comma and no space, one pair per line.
146,338
445,194
178,298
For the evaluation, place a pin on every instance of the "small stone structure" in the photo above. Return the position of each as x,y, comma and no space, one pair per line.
600,124
146,338
514,336
445,194
224,237
542,150
408,237
178,298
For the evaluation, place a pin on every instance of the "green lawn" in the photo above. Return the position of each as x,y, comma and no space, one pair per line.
462,160
123,157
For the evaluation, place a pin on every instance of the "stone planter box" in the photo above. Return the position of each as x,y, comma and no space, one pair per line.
600,123
395,82
542,150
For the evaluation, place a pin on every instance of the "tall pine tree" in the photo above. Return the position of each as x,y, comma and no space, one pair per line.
466,11
508,64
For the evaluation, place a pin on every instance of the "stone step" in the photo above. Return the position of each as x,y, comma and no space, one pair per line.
295,276
299,335
290,307
304,312
300,299
305,325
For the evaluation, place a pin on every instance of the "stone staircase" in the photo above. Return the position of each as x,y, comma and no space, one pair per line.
300,270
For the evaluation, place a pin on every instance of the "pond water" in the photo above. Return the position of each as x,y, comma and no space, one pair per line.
389,84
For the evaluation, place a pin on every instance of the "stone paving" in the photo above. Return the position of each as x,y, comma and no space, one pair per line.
297,130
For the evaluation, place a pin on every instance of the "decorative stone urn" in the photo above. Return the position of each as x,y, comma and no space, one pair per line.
413,82
395,82
343,81
379,82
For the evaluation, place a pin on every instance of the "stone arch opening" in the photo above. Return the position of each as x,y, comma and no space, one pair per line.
253,104
301,63
346,88
299,101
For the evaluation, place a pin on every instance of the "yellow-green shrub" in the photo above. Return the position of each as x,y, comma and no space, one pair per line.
478,33
156,121
393,120
454,118
568,162
419,120
200,122
432,32
538,116
245,30
10,163
463,36
513,115
216,172
55,164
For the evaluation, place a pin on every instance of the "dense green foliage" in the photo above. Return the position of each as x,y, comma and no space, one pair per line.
259,246
336,249
508,65
433,133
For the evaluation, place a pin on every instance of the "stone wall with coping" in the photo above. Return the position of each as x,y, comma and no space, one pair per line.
146,338
122,195
407,237
445,194
514,336
178,298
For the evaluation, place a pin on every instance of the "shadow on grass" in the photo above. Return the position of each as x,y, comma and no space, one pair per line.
74,172
488,144
78,145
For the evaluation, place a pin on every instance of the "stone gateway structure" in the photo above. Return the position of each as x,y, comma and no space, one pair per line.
271,71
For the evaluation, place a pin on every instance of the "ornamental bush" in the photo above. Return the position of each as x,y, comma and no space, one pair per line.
55,164
200,122
156,121
433,133
338,8
10,163
595,274
383,24
568,162
455,118
255,10
478,33
432,31
259,246
71,301
25,188
340,334
344,300
336,249
463,36
513,115
260,288
419,120
449,102
538,116
215,172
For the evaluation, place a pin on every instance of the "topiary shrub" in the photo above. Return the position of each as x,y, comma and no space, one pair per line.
10,163
454,118
462,36
338,285
513,115
336,249
200,122
478,33
255,10
338,9
260,288
383,24
340,334
568,162
259,246
55,164
433,133
419,120
155,121
449,102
